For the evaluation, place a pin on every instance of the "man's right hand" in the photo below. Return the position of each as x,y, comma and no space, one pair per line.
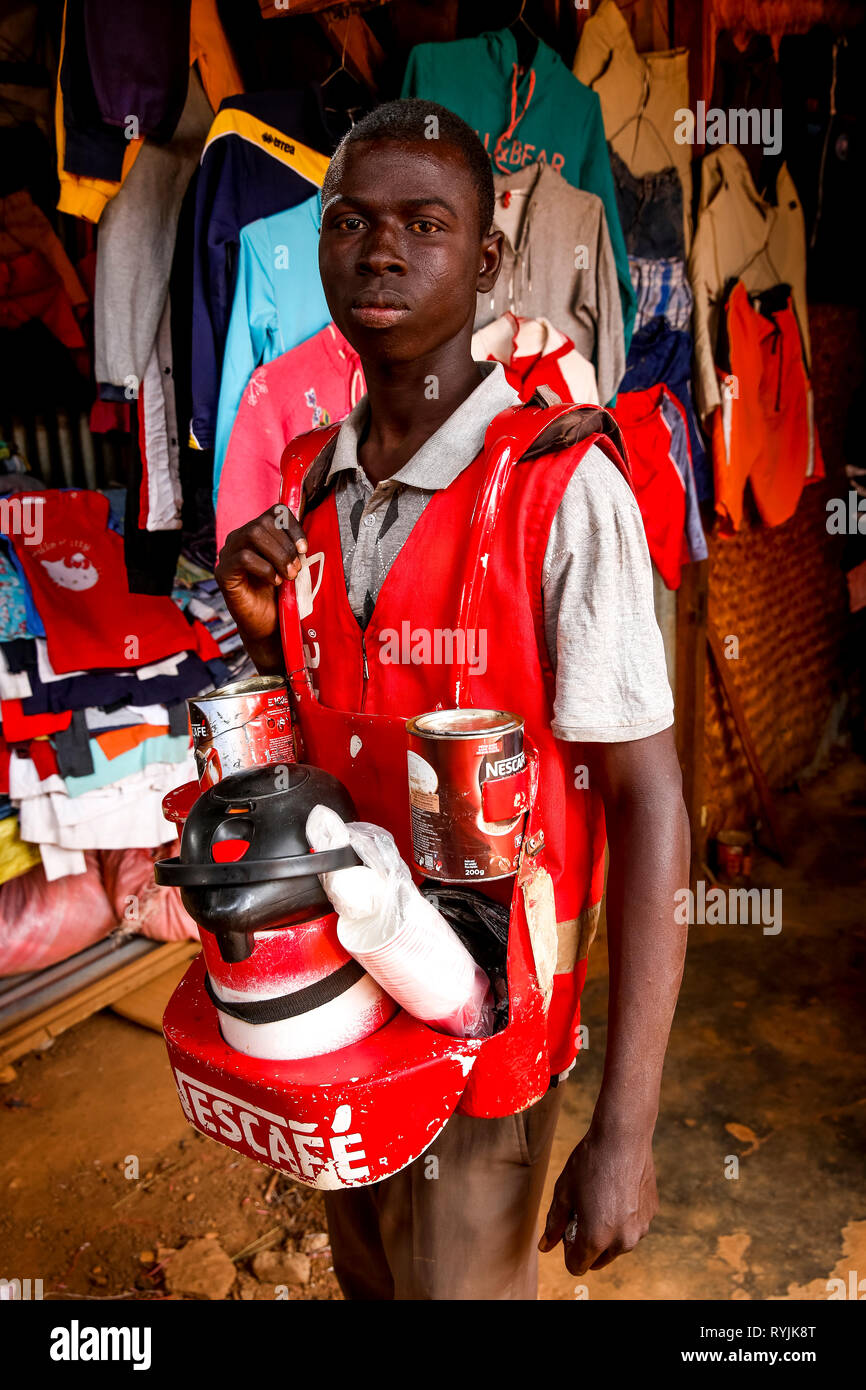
255,560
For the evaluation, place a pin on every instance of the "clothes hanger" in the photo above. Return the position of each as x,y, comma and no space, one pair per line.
525,54
342,67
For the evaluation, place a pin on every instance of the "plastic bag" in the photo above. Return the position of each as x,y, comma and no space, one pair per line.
42,923
139,902
396,934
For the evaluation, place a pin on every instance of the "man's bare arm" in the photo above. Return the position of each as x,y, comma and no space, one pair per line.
605,1197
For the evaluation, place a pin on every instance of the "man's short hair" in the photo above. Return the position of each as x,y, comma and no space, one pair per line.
410,119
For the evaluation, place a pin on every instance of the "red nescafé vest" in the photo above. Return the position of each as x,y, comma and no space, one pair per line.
355,698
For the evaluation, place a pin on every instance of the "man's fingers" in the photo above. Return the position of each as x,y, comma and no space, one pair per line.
579,1249
275,545
558,1217
608,1256
251,563
587,1251
622,1244
276,535
286,521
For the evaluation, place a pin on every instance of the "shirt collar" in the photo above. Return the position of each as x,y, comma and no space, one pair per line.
442,457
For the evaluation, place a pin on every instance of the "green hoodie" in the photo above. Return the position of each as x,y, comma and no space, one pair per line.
544,115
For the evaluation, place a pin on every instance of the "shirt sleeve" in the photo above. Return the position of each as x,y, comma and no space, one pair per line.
596,177
610,341
253,313
604,642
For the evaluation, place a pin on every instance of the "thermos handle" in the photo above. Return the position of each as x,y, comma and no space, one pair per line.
177,875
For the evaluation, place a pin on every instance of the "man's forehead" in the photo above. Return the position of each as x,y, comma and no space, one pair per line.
369,170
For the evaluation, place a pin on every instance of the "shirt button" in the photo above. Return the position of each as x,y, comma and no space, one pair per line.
368,520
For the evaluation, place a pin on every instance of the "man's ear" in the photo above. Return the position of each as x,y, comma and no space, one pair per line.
491,261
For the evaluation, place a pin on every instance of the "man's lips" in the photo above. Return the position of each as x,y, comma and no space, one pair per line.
379,310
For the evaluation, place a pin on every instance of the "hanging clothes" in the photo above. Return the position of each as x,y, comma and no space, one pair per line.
543,115
31,289
747,78
660,353
654,428
640,94
740,236
139,62
24,227
533,353
87,148
558,263
94,158
264,153
662,289
650,210
764,432
136,243
314,384
159,492
279,302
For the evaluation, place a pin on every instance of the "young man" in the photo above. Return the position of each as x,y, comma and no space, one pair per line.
405,247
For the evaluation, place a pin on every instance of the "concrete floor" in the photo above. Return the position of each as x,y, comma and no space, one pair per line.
766,1063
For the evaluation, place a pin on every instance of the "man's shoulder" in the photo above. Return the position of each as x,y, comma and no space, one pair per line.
599,486
569,430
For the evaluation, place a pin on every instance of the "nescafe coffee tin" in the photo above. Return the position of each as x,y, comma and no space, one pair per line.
467,792
241,725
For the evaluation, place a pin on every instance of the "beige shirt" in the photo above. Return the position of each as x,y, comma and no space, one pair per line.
740,236
558,263
640,94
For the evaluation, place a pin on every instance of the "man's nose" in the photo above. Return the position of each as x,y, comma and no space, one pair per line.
380,255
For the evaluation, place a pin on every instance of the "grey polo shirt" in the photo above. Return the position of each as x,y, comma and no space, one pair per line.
604,642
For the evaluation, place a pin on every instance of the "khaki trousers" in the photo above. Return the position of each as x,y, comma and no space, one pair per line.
460,1223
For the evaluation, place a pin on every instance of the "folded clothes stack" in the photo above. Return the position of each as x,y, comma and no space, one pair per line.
93,689
197,592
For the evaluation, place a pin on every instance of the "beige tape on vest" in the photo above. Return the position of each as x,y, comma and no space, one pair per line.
575,937
538,900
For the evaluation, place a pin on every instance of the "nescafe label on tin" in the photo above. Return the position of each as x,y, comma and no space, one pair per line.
451,839
503,767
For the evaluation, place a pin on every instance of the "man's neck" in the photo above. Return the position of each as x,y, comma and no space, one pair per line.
408,402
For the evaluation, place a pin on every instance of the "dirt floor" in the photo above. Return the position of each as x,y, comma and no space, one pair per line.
107,1193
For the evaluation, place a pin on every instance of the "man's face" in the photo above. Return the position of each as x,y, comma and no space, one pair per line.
401,253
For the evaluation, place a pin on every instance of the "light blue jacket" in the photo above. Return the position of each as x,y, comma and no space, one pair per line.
278,303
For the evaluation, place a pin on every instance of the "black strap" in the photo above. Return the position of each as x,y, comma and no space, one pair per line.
229,875
303,1001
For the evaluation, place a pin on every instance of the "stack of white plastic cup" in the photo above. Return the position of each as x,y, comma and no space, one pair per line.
399,937
421,962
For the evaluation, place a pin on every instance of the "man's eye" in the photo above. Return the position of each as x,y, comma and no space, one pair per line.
348,224
422,224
